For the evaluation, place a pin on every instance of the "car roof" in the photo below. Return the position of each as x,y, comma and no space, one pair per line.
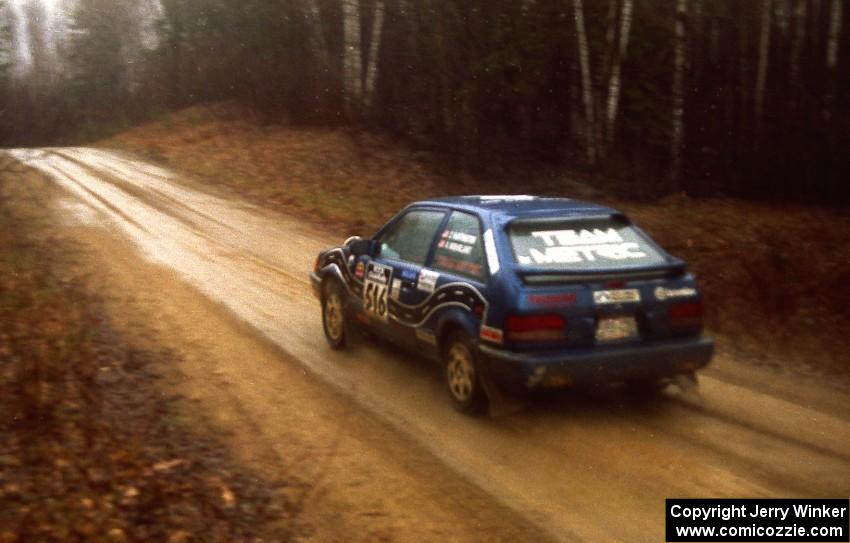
521,206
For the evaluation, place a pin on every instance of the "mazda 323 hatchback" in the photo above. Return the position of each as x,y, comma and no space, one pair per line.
519,293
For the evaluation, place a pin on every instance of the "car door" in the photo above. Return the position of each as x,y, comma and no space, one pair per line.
459,260
389,283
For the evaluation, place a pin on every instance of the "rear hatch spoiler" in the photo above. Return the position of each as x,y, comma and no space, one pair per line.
541,276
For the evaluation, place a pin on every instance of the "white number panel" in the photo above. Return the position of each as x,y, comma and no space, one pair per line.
375,290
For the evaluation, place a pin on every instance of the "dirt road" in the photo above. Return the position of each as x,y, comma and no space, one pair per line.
592,466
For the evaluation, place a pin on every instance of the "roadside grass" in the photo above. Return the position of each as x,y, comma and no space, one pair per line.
774,275
90,449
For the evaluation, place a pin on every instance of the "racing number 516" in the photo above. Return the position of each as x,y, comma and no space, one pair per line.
376,299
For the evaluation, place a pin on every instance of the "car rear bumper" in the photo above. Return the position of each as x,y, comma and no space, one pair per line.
523,371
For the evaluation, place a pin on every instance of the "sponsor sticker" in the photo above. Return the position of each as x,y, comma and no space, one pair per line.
491,334
461,266
396,289
602,297
462,237
576,246
359,270
662,293
506,198
427,281
378,273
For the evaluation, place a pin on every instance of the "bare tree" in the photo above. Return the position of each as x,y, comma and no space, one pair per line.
5,63
586,82
352,56
446,113
313,14
374,50
5,40
834,34
614,83
761,74
679,54
797,38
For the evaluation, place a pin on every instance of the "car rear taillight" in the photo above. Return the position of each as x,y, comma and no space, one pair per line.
550,327
686,314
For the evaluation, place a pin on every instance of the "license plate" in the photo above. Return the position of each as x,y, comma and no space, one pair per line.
616,328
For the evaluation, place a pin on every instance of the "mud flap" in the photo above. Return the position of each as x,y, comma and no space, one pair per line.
500,403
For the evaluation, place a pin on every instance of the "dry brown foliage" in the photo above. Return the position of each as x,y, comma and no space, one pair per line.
90,450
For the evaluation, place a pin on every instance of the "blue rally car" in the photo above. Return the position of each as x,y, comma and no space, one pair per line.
513,293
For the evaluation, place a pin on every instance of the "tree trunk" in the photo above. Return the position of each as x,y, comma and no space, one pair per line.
680,52
586,82
317,32
614,83
797,39
352,62
761,75
374,51
834,34
446,111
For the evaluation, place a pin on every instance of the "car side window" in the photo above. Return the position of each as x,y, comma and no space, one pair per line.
459,248
410,238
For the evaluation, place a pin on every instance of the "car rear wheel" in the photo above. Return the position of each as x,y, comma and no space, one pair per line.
333,314
461,371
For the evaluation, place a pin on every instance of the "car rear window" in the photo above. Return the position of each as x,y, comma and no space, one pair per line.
580,244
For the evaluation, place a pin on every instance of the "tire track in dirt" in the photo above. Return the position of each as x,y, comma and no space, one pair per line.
555,462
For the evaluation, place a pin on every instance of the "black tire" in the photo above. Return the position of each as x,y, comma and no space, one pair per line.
333,314
461,374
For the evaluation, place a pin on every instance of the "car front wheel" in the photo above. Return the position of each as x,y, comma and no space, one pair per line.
461,371
333,314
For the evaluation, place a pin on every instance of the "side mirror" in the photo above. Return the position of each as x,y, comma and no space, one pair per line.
363,247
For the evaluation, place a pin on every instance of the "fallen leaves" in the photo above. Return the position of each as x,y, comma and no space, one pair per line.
168,465
90,450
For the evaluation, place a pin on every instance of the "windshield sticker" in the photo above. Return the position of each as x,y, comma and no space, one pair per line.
577,246
457,242
427,281
662,293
